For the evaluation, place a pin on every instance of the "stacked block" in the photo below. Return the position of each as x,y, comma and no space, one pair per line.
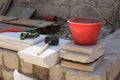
86,58
12,41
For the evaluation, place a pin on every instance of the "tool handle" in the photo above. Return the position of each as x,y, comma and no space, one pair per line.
43,49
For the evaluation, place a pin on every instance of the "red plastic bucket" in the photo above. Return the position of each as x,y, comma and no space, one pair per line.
85,31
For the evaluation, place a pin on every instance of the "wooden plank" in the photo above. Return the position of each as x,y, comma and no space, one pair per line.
1,5
85,67
71,46
21,12
17,11
26,22
5,6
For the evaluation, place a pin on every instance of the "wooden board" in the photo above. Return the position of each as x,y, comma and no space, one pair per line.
21,12
12,41
83,58
85,67
47,59
1,5
71,46
5,6
26,22
18,12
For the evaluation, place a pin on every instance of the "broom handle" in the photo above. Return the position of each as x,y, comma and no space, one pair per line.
43,49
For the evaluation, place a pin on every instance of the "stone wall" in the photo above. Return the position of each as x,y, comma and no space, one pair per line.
72,8
9,61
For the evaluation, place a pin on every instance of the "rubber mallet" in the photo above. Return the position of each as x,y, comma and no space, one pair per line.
49,40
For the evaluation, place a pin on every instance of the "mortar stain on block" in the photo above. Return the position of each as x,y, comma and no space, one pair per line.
80,66
80,57
71,46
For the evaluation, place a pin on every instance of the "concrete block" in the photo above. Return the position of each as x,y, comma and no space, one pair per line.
46,59
71,46
56,74
83,58
12,41
7,74
26,67
10,59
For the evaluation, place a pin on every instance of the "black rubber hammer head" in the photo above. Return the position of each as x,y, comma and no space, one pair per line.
52,40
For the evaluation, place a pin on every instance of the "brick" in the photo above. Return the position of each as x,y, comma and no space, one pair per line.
83,58
26,67
10,59
70,46
56,74
7,74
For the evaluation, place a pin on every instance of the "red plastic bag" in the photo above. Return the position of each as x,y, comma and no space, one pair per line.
13,29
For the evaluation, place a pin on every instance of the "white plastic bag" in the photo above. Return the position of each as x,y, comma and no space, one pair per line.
19,76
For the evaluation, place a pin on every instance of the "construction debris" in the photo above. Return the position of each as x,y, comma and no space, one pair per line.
26,22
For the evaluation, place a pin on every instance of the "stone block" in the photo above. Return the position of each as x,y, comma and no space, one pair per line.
10,59
7,74
46,59
83,58
71,46
26,67
56,74
40,73
107,70
1,53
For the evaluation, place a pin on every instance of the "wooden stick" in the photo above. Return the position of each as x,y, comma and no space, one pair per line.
43,49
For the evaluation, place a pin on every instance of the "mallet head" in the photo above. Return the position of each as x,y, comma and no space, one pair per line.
52,40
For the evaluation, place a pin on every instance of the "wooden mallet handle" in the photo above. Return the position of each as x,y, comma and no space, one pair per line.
43,49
